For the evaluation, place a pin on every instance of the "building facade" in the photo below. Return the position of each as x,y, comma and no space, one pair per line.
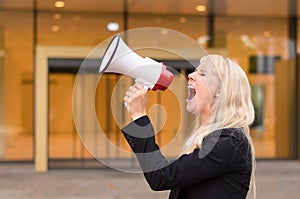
55,114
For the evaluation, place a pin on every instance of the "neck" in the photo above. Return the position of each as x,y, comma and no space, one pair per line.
205,118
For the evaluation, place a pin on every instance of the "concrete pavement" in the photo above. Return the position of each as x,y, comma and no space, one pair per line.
275,180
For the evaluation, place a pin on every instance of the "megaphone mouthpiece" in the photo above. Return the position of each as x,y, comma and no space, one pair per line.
164,80
119,58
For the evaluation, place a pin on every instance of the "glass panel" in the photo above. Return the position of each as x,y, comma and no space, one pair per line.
63,139
192,25
257,44
16,81
66,148
253,33
75,28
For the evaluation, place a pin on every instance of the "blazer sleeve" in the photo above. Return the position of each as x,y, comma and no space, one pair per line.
216,156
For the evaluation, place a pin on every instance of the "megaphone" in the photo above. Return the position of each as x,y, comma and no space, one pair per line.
119,58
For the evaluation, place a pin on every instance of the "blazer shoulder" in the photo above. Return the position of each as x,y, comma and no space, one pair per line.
235,133
225,139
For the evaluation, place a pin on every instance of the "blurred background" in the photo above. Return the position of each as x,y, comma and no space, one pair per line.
43,43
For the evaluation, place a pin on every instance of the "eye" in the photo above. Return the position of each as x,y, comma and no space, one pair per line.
200,72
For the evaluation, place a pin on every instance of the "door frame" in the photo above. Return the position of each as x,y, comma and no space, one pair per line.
41,73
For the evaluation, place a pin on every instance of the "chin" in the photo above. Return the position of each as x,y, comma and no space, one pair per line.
192,109
188,110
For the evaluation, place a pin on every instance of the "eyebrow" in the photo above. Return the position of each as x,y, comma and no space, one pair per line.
200,69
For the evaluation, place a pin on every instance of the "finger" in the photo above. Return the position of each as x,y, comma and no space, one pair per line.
126,98
132,89
138,85
128,93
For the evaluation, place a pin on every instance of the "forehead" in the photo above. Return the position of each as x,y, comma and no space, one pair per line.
205,68
207,64
209,71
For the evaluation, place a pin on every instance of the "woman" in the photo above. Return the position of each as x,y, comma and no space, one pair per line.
218,157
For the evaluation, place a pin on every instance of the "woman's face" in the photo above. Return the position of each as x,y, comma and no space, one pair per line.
202,91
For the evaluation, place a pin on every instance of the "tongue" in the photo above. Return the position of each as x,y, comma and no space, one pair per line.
191,94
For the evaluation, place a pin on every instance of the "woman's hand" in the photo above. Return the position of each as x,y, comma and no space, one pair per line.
136,100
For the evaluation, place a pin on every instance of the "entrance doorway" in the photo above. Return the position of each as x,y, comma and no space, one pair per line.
67,148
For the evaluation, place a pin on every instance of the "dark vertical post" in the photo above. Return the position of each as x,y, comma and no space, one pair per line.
292,48
211,23
125,18
292,25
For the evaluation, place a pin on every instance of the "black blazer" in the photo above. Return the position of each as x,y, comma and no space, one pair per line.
220,169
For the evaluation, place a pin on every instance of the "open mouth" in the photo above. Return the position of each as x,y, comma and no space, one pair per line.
191,92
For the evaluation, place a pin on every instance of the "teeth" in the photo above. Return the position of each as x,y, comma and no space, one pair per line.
192,92
190,87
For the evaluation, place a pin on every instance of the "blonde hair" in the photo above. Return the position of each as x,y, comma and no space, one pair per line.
232,109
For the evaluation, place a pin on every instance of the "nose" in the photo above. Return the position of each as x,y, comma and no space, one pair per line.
191,76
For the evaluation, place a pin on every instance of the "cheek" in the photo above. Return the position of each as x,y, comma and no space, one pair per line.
213,84
203,94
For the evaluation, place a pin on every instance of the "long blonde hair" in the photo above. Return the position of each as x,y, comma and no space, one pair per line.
232,109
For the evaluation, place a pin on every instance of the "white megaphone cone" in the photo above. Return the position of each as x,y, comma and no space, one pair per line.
119,58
